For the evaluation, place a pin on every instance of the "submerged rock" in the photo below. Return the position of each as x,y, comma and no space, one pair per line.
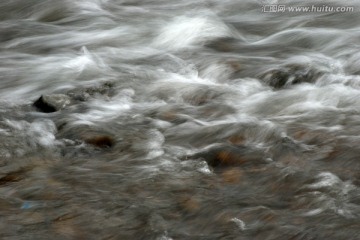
232,175
12,177
52,103
101,141
223,155
83,94
224,44
289,75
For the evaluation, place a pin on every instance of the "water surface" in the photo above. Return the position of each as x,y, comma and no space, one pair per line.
183,120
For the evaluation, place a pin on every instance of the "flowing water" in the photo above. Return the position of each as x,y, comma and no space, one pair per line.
210,119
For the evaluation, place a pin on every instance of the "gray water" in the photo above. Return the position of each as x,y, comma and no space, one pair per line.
180,120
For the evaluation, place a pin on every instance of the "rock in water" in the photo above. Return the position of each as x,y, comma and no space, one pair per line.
291,74
101,141
223,155
52,103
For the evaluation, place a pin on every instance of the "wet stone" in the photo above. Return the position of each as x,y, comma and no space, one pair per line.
232,175
52,103
190,204
202,96
290,75
237,139
225,44
83,94
223,155
101,141
11,177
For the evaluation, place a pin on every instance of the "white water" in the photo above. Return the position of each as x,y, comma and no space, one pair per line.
168,80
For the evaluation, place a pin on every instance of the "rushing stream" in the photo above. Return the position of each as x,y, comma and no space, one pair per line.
179,119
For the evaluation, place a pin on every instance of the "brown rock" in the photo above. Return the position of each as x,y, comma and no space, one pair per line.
237,140
101,141
12,177
231,176
190,204
226,158
223,155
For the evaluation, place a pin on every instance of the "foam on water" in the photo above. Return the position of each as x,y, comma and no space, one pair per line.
20,137
164,96
185,32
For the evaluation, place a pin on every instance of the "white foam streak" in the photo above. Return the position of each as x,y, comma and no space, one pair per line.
184,32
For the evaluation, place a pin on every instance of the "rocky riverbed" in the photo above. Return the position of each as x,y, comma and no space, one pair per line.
178,120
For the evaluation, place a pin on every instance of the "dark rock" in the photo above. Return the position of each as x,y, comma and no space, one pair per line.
223,155
11,177
83,94
52,103
172,117
101,141
290,75
226,44
200,96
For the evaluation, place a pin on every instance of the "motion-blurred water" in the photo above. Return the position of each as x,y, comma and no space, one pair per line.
184,119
